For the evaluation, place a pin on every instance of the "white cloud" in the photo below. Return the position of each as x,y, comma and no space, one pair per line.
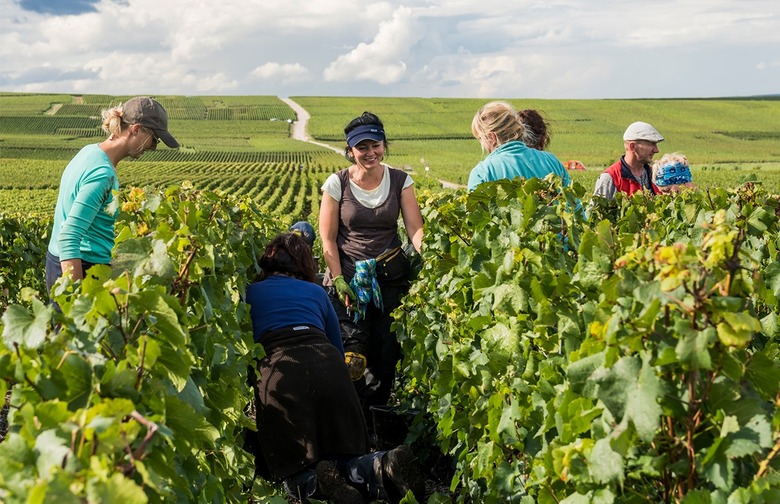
382,60
216,84
287,72
557,48
768,65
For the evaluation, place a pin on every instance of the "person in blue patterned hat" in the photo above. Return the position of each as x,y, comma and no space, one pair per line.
672,173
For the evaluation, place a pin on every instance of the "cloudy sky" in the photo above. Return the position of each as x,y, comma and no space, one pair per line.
433,48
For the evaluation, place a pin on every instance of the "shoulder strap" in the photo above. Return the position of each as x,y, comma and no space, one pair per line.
397,179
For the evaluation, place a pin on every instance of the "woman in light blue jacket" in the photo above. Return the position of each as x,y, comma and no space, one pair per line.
83,233
502,133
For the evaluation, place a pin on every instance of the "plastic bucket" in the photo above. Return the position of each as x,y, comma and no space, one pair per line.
391,426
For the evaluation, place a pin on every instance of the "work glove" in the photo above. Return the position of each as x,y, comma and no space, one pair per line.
356,364
415,261
344,291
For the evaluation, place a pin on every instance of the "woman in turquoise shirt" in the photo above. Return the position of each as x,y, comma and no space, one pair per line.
83,233
502,133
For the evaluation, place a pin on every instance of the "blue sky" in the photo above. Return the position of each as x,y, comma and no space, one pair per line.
59,7
452,48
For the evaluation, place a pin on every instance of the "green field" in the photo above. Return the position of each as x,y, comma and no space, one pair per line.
719,133
238,143
628,355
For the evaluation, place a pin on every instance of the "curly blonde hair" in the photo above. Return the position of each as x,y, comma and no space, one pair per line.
668,160
112,120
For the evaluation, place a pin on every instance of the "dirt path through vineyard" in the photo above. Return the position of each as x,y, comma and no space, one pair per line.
299,126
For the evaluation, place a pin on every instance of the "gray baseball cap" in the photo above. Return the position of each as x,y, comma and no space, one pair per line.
150,114
642,131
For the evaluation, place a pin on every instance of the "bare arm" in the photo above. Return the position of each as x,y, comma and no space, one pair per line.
73,268
413,221
329,227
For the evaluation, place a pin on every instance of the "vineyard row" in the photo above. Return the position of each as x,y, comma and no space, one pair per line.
281,188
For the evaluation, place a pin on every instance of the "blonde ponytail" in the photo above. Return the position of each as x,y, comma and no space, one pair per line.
112,120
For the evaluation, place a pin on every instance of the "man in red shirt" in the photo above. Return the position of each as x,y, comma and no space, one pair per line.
632,172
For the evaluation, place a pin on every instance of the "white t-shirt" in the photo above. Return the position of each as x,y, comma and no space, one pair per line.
369,199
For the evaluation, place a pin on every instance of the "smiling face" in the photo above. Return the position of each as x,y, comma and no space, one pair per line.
368,153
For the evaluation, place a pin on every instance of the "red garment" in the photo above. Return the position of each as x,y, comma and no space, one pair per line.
625,182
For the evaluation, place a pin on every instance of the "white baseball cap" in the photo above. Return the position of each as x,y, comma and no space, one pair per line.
642,131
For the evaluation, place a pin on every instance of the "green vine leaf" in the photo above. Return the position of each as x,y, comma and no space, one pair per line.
20,327
116,488
693,346
606,465
737,329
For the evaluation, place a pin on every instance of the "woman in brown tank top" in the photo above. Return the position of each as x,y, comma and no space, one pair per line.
359,221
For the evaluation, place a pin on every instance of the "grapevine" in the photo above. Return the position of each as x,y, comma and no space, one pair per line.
136,388
627,357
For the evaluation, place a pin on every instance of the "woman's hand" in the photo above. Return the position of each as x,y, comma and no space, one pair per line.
344,291
73,268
